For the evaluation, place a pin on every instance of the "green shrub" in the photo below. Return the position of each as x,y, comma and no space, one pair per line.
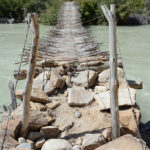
11,9
90,9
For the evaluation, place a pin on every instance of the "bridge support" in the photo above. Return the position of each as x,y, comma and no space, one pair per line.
111,18
34,26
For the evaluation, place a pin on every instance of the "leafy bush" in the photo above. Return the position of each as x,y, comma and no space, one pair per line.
11,9
49,16
90,9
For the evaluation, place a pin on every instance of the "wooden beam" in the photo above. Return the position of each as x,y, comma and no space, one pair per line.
111,17
34,26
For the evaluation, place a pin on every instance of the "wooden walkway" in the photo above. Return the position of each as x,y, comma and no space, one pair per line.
68,40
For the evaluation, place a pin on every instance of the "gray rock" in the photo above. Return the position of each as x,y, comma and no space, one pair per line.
76,147
77,114
45,86
85,78
103,98
25,146
104,76
50,132
35,135
57,144
79,96
38,120
56,79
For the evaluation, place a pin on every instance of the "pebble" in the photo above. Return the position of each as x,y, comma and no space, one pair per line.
21,140
77,114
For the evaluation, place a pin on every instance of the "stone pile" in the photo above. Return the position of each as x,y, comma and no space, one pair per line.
72,117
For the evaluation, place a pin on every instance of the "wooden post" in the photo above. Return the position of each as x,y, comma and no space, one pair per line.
4,107
12,96
34,26
111,17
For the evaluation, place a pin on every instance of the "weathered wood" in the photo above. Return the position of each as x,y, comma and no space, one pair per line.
68,37
99,68
4,108
30,75
12,95
111,17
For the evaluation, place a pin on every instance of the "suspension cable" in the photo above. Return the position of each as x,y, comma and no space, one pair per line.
20,64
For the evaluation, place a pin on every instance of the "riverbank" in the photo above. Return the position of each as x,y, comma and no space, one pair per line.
134,19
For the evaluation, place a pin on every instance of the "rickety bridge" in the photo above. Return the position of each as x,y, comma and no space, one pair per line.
69,40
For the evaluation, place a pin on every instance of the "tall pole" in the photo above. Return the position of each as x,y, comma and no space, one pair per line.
34,26
111,17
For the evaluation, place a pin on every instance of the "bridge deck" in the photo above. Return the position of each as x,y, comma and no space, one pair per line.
68,40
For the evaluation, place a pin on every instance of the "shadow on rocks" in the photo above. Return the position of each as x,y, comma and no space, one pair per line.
145,132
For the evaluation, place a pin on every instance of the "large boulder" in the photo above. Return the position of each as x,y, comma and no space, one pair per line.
85,78
103,98
79,96
126,142
57,144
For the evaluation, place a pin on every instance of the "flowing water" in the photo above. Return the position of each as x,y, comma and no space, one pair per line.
134,43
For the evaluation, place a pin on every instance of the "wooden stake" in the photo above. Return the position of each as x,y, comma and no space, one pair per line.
30,75
111,17
12,96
